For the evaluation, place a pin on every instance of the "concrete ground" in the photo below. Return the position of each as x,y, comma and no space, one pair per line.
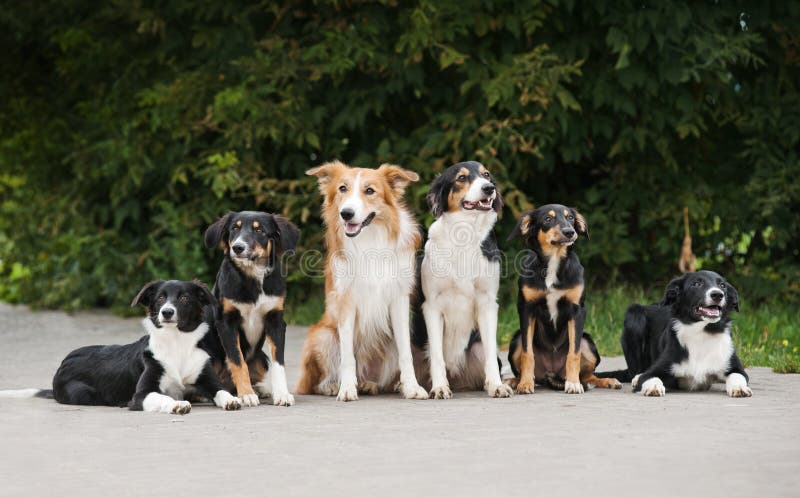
602,443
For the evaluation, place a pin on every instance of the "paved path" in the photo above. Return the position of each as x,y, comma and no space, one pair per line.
550,444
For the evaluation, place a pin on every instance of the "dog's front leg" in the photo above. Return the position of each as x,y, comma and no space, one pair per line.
276,335
399,314
227,329
348,384
487,325
435,326
573,384
527,365
736,379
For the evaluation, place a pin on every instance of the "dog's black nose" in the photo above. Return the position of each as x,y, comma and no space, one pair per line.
238,248
568,232
717,295
167,313
488,189
347,214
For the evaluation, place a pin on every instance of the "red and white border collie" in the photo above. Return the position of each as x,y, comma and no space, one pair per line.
372,239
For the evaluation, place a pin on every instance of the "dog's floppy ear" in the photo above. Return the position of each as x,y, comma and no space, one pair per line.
397,177
325,173
523,227
580,223
145,296
288,233
436,197
217,231
203,293
732,296
673,291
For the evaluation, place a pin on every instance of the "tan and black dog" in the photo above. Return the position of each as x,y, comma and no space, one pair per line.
251,289
551,346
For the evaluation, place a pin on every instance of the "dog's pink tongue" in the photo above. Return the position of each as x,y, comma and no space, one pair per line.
710,311
351,227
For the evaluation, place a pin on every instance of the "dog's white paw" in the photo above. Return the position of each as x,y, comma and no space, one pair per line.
736,386
227,401
441,392
250,399
573,387
283,399
413,391
499,391
653,387
347,393
181,408
635,381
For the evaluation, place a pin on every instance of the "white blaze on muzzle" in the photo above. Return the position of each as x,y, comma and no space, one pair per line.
476,198
172,317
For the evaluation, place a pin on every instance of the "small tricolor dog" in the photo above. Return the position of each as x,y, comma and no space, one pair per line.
370,273
460,275
684,342
551,346
251,290
160,371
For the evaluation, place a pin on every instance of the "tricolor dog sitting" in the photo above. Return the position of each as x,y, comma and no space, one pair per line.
684,342
160,371
460,279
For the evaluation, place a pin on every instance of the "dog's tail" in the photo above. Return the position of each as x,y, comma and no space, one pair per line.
27,393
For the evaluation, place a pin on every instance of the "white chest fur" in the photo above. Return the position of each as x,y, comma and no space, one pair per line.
374,270
178,354
253,315
709,355
458,277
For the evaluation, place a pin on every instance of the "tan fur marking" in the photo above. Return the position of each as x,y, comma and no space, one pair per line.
546,239
227,305
240,373
552,213
574,294
566,212
527,366
455,197
531,294
256,224
573,366
239,223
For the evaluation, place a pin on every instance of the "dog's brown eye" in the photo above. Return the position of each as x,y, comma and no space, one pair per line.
161,299
486,174
234,228
184,299
722,286
461,179
548,219
570,217
696,284
369,191
342,188
260,230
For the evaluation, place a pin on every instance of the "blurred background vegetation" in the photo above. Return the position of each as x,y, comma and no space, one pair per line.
126,127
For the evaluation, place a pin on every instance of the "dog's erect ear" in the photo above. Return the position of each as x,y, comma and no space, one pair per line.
217,231
732,296
397,177
673,291
437,197
523,228
580,223
288,233
145,296
203,293
326,173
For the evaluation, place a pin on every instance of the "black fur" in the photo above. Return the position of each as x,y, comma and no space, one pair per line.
551,338
237,279
124,375
649,340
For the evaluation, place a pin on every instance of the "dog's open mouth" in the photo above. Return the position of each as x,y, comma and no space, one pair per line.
482,205
709,311
353,229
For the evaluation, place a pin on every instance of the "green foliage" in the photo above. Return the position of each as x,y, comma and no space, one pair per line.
127,127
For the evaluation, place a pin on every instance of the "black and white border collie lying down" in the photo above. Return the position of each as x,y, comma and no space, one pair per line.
251,289
685,341
460,278
161,370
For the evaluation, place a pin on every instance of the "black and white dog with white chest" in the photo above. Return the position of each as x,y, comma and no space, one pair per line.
460,275
160,371
685,341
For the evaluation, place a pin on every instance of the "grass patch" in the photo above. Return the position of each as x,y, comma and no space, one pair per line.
767,335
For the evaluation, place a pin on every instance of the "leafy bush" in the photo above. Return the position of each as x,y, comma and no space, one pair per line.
128,127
